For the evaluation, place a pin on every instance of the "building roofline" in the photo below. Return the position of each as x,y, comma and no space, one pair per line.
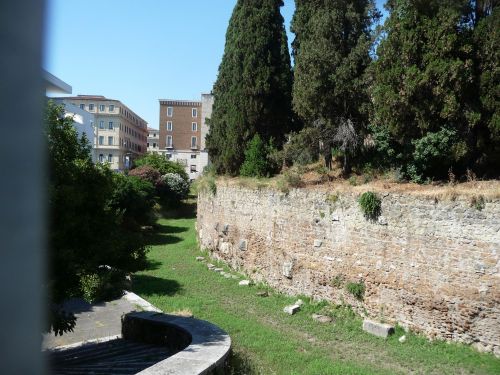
180,102
56,84
103,98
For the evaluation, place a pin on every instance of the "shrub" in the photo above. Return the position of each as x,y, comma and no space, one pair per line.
477,202
135,197
337,281
302,148
370,205
86,227
256,163
103,285
435,153
356,289
175,188
162,165
146,173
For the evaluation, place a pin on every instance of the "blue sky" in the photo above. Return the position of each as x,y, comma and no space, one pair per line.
139,51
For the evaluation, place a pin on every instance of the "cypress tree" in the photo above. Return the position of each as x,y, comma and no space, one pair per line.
425,90
487,40
331,52
252,94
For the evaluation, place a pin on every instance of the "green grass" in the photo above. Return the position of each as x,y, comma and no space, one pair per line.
266,340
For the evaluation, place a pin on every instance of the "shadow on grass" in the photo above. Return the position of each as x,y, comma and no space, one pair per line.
239,364
145,285
151,265
185,209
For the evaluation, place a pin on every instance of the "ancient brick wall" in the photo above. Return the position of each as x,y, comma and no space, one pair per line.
430,265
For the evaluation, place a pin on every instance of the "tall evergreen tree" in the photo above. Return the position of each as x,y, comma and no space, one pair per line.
252,94
425,91
331,52
487,41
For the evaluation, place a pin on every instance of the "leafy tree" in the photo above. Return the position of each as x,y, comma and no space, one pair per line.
252,94
256,162
136,198
332,51
424,80
86,231
162,165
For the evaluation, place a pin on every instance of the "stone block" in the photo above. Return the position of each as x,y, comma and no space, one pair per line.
382,220
218,269
244,283
291,309
210,266
318,243
377,329
225,229
287,269
242,245
199,259
225,247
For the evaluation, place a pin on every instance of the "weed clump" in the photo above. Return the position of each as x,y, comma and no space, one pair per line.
370,205
356,289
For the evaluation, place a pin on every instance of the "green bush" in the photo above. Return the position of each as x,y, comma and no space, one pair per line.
356,289
370,205
256,163
302,148
103,285
90,216
162,165
435,153
174,189
135,197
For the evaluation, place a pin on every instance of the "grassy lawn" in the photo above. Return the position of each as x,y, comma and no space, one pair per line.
268,341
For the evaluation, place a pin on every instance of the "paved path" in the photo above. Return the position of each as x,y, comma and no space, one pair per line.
97,320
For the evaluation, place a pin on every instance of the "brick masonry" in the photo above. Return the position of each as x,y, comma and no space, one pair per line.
432,266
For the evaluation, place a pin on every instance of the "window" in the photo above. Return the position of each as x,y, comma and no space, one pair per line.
193,156
101,124
194,112
168,156
154,135
170,111
193,169
169,126
169,141
110,125
148,144
91,107
82,106
110,158
110,141
101,107
193,142
101,158
111,108
101,140
194,126
154,145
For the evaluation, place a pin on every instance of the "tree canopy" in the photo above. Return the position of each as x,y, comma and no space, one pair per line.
332,51
252,94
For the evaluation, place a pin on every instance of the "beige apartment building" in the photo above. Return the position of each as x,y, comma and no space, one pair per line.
120,135
181,134
154,141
